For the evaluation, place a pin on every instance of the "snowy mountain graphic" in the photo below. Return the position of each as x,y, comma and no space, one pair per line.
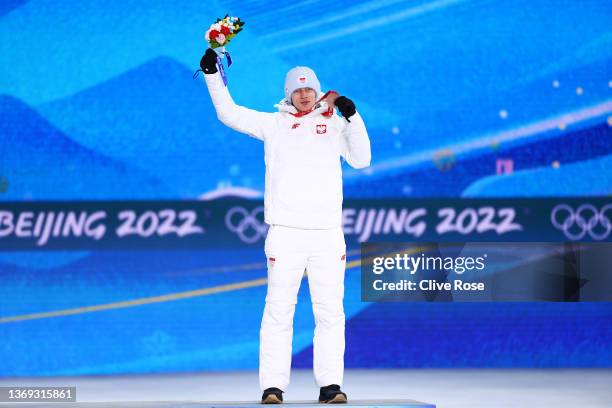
156,117
42,163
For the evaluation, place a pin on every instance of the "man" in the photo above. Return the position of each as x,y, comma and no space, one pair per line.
303,144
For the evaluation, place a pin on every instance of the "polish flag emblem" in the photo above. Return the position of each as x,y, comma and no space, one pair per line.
302,80
321,129
272,260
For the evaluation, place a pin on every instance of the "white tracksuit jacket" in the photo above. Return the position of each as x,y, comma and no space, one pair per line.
303,170
303,205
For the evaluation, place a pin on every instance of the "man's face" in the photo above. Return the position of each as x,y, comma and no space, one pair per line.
303,99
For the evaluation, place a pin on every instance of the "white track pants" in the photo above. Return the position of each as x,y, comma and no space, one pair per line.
322,254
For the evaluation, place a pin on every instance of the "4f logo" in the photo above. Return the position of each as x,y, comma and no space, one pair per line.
295,125
321,129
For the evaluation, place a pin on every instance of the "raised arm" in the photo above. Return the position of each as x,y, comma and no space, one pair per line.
355,141
237,117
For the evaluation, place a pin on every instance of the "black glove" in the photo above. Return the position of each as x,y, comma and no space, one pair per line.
208,63
345,106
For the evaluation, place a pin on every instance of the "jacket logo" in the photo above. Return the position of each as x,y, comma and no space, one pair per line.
321,129
295,125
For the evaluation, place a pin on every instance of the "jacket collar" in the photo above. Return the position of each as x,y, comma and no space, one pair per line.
322,108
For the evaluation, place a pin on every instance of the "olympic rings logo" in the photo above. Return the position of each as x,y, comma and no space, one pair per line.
245,224
576,224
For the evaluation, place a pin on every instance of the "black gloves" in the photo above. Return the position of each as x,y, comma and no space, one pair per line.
345,106
208,63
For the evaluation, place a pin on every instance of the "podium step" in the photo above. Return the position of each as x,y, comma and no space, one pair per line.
404,403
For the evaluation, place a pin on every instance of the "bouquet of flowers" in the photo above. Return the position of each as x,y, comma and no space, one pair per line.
223,30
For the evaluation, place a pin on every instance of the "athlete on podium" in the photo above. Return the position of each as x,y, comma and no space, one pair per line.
304,142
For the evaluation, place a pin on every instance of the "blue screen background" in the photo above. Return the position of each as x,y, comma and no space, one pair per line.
97,102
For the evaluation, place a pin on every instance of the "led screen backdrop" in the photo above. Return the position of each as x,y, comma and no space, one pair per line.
462,99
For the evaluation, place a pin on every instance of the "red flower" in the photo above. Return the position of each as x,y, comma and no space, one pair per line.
213,34
225,31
